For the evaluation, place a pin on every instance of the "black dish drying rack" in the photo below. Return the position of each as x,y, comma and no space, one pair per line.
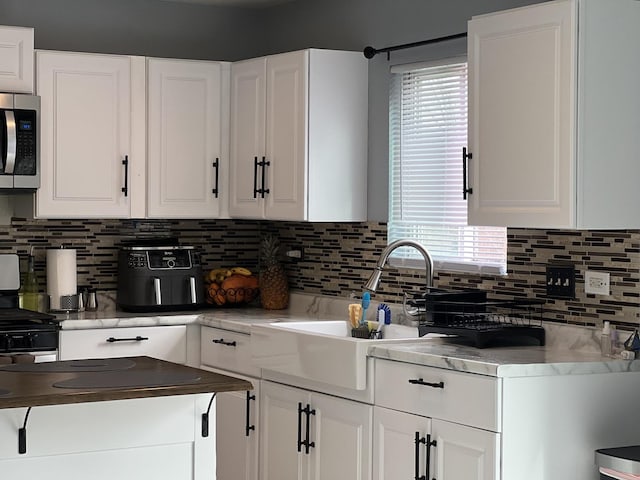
470,315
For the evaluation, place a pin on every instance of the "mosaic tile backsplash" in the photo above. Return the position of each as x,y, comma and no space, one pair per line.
337,259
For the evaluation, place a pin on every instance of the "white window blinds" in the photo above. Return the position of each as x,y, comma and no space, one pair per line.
428,128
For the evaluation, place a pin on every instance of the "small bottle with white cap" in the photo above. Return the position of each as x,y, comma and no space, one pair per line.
605,339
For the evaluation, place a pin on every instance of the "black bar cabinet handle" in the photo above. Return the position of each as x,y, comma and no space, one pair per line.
125,162
255,177
418,441
465,158
264,164
308,444
420,381
132,339
247,426
300,427
222,341
429,444
216,165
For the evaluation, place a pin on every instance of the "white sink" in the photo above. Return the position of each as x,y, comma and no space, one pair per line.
321,351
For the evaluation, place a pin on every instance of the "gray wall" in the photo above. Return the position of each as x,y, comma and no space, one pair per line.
139,27
166,29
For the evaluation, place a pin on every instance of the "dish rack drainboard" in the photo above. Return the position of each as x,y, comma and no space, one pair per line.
485,323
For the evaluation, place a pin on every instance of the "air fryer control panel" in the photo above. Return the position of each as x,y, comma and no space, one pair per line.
162,259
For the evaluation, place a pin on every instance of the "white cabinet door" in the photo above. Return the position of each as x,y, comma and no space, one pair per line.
282,427
341,432
187,167
522,72
86,135
552,133
247,144
312,436
237,422
286,136
462,452
16,59
395,454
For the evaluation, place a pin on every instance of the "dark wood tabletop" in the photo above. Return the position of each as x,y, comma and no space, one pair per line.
79,381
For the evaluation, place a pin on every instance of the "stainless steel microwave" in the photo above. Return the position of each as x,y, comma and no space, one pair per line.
19,144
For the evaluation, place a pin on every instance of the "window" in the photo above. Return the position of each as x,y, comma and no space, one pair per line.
428,128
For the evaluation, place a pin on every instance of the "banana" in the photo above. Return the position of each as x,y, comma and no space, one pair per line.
216,273
241,271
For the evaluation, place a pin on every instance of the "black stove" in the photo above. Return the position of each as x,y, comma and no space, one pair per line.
21,330
24,331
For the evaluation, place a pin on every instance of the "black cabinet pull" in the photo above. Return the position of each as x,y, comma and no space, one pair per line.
420,381
216,165
247,426
429,444
300,427
307,443
222,341
264,164
419,441
132,339
255,177
465,158
125,162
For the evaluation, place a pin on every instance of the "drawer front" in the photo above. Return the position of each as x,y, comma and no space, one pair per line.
458,397
163,342
227,350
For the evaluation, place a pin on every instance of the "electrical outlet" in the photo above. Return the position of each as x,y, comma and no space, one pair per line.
561,281
596,283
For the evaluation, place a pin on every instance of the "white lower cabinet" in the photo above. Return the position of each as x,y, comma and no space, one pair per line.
163,342
435,423
237,420
309,435
412,446
237,413
138,439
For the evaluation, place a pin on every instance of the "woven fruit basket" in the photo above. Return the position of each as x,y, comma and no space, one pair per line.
231,286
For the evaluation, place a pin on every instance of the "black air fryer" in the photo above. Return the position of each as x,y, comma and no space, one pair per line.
159,278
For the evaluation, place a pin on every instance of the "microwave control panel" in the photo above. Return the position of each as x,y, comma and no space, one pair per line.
25,142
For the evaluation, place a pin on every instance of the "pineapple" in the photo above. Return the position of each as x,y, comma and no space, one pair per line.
274,288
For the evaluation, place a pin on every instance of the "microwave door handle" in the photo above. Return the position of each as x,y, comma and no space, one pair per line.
192,285
12,145
156,287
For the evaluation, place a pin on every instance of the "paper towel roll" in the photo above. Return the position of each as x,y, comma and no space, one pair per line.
61,275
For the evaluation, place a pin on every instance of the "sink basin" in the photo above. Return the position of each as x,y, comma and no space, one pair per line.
321,351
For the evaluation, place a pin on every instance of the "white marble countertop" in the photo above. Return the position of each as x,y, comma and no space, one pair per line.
503,361
569,350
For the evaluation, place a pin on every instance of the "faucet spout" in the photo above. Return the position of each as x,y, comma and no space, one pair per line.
374,279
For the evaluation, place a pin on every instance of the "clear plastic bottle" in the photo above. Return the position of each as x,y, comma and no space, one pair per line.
30,288
605,339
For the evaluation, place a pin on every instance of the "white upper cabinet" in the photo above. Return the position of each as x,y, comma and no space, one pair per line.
129,137
299,137
187,167
16,59
554,115
86,138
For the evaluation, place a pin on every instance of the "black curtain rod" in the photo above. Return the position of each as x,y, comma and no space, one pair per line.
371,52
